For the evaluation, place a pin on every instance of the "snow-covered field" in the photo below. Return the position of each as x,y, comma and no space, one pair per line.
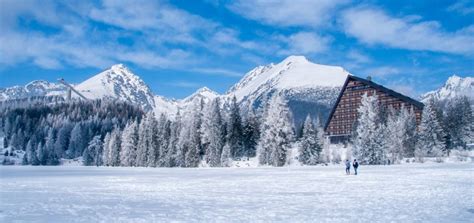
402,193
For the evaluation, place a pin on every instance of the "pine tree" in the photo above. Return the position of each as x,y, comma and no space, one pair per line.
215,134
410,128
151,135
278,134
77,142
106,150
190,140
234,130
31,156
129,141
311,146
89,156
396,134
458,123
62,140
225,159
368,146
175,129
142,147
430,136
41,154
49,149
165,137
114,148
251,135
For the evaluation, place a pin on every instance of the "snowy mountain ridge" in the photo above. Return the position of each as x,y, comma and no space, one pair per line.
292,73
454,87
309,87
120,83
34,88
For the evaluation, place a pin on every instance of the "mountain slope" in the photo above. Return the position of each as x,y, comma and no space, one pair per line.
118,82
32,89
292,73
310,88
454,87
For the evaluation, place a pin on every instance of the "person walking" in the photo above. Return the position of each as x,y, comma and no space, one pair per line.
348,167
355,164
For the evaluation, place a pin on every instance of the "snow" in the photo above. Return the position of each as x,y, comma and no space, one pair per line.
398,193
165,106
293,72
454,87
120,83
204,93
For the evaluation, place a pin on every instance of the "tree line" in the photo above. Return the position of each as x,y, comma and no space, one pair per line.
384,134
115,133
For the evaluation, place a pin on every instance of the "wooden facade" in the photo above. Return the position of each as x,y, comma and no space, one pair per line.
340,124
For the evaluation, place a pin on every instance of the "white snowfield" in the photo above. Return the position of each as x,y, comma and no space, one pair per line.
397,193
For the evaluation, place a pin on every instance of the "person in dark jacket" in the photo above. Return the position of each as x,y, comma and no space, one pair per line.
348,167
355,164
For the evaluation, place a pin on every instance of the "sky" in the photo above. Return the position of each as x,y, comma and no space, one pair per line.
178,46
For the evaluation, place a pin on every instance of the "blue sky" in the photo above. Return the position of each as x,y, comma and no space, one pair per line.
180,46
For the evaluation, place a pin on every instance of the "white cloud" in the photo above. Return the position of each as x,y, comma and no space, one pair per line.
304,43
406,90
218,71
184,84
288,13
374,26
463,7
161,35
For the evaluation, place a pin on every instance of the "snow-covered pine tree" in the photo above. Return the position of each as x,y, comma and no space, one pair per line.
225,159
395,137
175,129
77,142
251,134
51,156
278,134
458,123
234,130
214,134
94,147
368,148
106,150
114,148
467,125
129,141
193,148
410,128
30,154
430,141
41,154
164,138
151,134
62,139
310,146
142,146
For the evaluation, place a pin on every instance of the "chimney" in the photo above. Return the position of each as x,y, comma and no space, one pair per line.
369,78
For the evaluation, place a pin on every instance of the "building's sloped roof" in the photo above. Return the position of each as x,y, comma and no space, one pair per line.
377,87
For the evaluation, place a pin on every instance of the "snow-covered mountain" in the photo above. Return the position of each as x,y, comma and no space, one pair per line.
454,87
295,72
118,82
203,93
309,87
32,89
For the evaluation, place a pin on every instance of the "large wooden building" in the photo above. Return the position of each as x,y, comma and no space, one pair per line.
340,123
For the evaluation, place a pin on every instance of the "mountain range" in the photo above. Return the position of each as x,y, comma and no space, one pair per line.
309,87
